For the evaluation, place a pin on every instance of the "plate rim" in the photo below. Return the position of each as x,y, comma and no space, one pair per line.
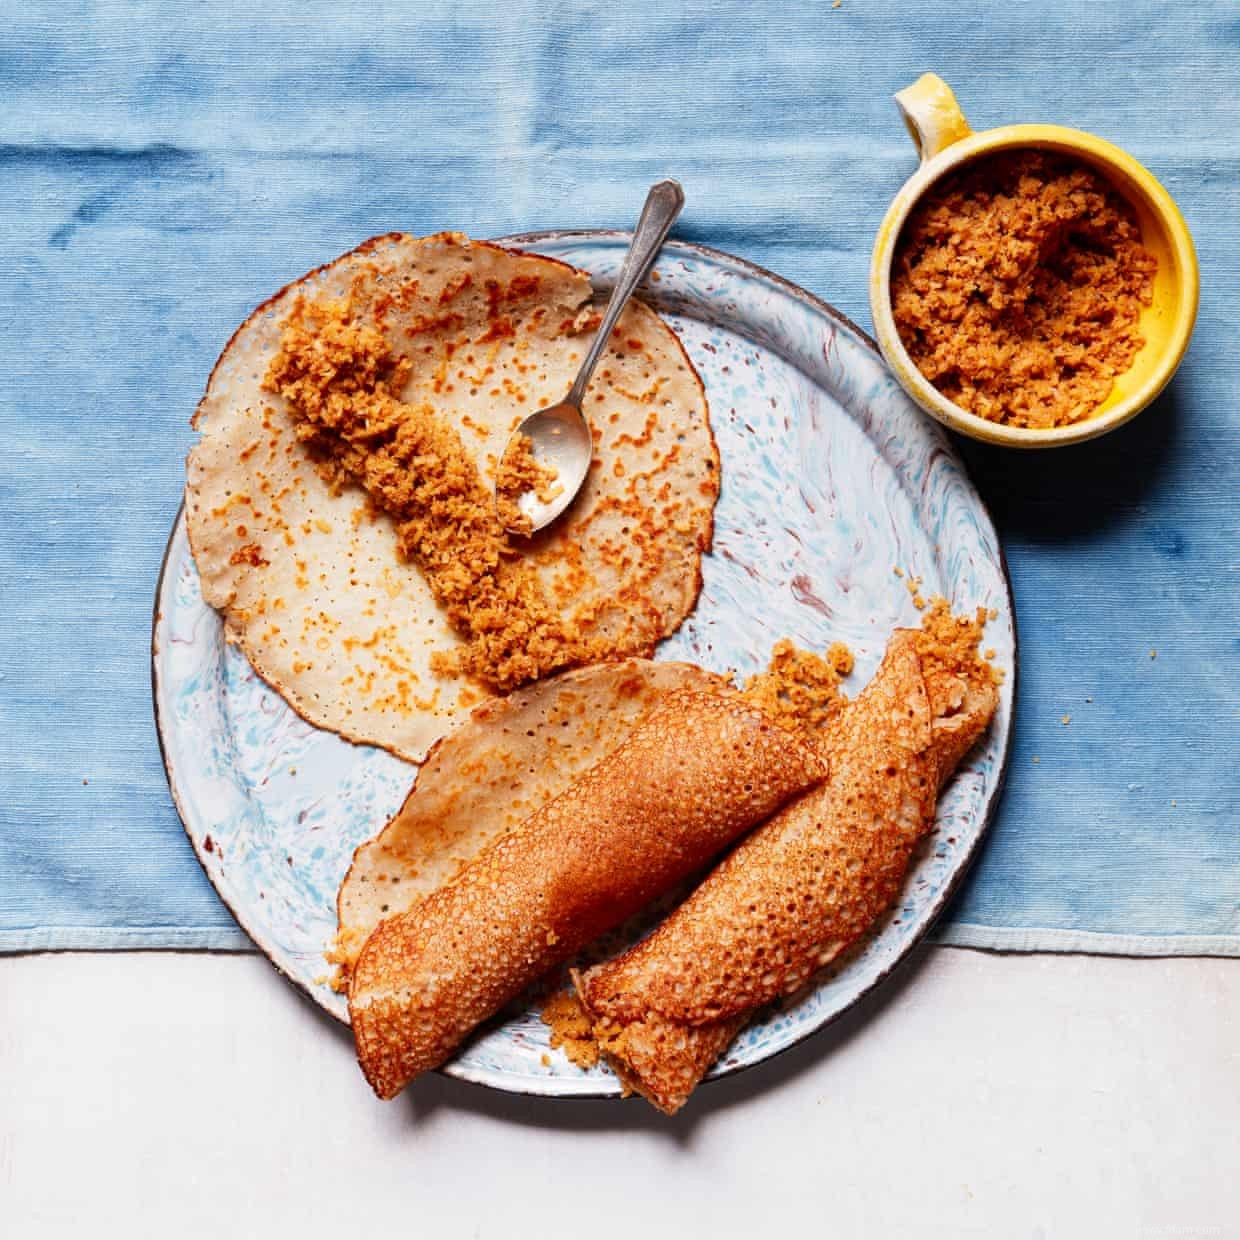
528,1087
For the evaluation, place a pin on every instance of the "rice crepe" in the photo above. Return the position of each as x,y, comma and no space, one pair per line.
308,576
695,772
508,758
804,886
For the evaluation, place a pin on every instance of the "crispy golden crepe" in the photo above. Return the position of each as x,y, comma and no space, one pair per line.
509,758
803,887
694,774
308,578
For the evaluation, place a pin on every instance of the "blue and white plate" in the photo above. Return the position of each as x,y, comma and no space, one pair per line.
832,479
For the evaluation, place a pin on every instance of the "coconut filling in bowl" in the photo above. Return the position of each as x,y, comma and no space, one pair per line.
1018,286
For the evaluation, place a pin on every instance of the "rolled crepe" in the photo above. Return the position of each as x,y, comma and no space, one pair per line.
803,887
699,770
511,756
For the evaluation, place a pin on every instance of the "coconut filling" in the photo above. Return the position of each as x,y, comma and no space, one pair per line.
340,380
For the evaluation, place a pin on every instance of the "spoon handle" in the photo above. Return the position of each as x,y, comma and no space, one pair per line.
663,204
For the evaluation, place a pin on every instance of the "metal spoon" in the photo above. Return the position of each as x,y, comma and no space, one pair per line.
560,434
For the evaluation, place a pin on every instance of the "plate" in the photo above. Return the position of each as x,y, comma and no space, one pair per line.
832,480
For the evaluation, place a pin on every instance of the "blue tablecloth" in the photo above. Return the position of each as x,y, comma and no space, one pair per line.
167,167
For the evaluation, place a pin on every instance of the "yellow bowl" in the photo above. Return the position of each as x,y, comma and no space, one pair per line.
944,142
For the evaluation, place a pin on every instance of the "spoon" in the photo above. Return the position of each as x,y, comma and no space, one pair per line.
560,435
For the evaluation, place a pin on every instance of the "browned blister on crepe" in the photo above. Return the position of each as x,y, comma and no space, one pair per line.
802,888
696,772
509,758
461,340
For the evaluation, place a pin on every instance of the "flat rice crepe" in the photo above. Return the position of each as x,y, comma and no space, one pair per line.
510,757
308,577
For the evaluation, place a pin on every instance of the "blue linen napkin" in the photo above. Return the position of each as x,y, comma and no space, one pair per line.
168,167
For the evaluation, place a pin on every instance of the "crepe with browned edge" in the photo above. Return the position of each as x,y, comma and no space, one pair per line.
308,578
509,758
803,887
696,772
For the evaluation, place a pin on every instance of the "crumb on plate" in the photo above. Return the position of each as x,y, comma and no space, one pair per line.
570,1029
800,689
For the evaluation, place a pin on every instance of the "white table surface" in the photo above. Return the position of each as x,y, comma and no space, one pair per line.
183,1095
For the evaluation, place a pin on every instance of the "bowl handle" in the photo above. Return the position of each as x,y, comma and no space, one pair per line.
932,115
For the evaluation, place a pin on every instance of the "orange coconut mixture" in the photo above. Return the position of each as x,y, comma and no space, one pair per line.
1017,288
521,471
800,689
339,379
570,1028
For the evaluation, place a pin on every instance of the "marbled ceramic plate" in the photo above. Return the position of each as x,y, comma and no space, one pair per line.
832,479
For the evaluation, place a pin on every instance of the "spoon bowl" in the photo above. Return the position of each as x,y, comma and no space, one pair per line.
560,434
560,439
